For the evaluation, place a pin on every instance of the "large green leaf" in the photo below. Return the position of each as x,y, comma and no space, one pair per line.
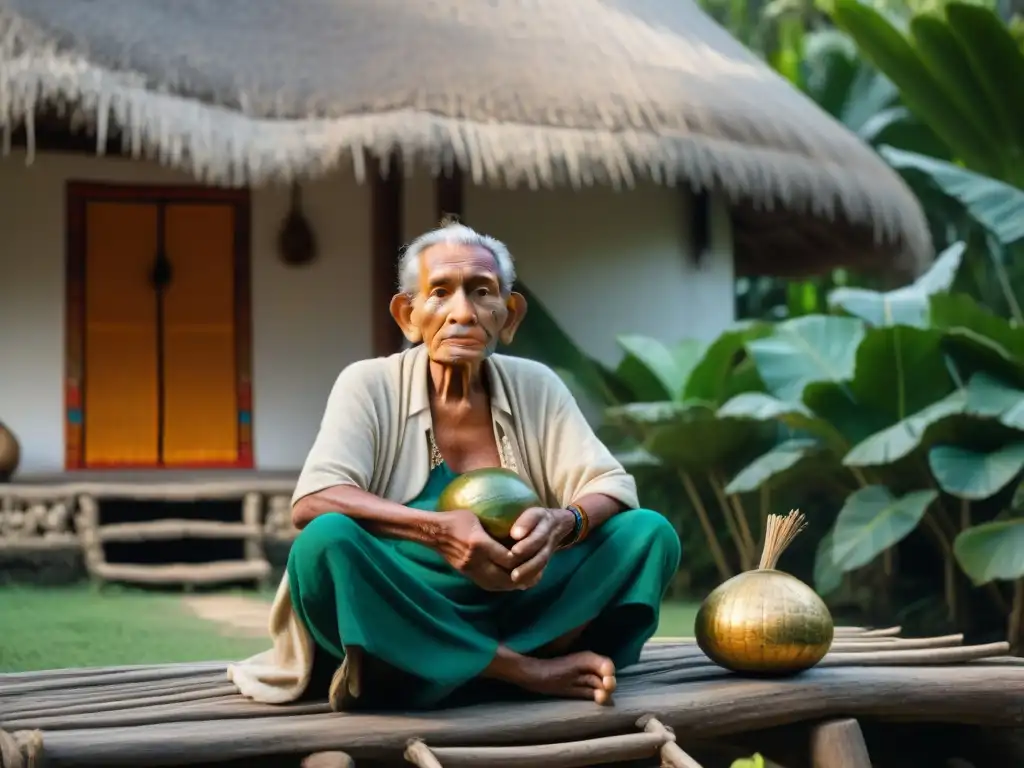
996,206
758,406
710,378
654,371
976,341
997,62
972,475
992,551
945,58
805,350
990,398
904,306
900,370
872,520
828,576
902,438
684,435
771,465
960,314
835,405
892,53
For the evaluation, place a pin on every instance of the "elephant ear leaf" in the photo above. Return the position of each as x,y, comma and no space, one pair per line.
992,551
872,520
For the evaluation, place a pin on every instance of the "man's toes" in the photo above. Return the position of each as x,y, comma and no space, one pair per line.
602,696
590,681
606,668
609,683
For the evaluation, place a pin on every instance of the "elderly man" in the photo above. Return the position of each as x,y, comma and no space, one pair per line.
420,604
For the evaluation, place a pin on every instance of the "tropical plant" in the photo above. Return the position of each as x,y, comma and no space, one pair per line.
670,422
755,761
656,409
960,70
907,402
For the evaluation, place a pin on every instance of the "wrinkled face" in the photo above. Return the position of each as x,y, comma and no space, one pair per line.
459,311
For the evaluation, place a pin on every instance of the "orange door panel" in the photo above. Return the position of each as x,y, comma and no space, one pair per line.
200,407
120,356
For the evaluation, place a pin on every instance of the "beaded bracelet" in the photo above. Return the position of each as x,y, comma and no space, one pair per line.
580,527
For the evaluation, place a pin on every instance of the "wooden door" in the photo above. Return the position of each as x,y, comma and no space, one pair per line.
200,398
161,377
121,385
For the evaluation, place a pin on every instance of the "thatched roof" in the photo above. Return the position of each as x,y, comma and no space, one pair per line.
542,92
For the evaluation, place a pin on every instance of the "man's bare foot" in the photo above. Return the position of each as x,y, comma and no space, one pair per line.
582,675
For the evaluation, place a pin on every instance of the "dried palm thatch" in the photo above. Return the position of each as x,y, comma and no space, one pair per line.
512,91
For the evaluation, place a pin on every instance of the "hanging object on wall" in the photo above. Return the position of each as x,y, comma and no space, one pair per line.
10,453
296,242
700,226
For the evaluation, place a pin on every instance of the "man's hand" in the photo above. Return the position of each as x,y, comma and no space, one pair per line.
537,532
471,551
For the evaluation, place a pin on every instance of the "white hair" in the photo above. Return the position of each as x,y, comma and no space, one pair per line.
453,234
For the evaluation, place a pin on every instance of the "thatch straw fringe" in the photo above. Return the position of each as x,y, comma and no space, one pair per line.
224,146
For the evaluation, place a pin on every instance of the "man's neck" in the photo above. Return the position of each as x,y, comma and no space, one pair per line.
457,386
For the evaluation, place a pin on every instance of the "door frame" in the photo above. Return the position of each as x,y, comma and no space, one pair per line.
78,195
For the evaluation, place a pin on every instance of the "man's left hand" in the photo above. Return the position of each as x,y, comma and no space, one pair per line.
537,533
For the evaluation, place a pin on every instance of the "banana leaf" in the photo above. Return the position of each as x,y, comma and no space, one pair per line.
894,54
994,205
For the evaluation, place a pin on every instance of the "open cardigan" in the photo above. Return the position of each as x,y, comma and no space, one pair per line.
374,435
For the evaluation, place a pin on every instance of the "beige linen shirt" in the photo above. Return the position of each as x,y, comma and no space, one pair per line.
375,435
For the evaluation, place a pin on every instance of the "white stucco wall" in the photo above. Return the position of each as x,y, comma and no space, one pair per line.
309,322
606,263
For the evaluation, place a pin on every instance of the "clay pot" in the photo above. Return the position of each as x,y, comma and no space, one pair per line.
10,453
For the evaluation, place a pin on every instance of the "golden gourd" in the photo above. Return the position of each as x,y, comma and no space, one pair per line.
765,621
496,496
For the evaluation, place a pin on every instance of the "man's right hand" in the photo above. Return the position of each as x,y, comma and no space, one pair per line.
471,551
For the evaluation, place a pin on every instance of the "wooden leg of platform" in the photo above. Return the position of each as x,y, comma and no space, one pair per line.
419,754
328,760
672,754
839,744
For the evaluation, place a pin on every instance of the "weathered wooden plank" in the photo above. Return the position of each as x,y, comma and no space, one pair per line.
173,528
914,657
62,674
960,694
37,718
184,573
34,686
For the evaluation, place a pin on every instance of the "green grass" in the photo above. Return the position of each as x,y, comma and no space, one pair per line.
49,628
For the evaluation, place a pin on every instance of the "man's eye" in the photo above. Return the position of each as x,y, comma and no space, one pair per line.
439,293
483,292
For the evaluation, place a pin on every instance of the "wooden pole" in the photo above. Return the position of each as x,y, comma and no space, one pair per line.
328,760
419,754
839,744
672,754
385,241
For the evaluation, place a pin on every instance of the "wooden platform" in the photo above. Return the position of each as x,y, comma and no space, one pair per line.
63,511
190,714
162,485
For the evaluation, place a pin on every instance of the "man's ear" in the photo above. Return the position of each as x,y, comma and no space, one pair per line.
516,306
401,310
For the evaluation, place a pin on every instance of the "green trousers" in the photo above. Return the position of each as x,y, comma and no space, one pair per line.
406,607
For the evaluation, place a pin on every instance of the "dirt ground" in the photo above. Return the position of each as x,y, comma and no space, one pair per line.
237,615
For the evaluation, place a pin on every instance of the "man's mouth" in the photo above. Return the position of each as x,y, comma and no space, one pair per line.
466,340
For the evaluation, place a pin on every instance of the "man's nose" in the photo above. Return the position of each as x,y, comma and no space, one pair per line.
462,312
